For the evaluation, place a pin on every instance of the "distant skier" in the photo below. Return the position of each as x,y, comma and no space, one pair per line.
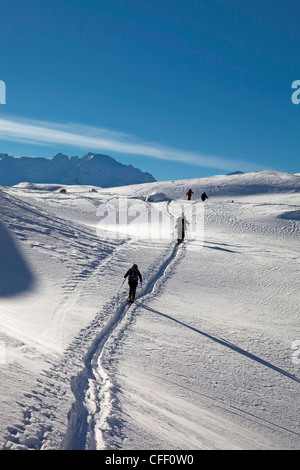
189,194
133,275
204,196
181,227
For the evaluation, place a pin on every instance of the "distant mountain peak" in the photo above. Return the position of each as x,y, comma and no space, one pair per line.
91,169
236,173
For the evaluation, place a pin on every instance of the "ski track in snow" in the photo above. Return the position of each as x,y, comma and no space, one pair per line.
89,421
102,388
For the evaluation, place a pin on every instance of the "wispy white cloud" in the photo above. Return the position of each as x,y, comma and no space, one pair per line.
95,139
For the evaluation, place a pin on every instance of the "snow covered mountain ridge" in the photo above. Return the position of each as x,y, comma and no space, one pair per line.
90,169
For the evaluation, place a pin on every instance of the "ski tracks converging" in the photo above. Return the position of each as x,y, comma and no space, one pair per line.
70,406
90,418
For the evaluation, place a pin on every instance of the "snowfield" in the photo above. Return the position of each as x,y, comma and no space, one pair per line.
208,357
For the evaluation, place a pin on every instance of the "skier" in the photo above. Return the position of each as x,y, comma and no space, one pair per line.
204,196
180,225
133,275
189,194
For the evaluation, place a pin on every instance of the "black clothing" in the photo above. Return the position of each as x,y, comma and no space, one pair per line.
189,194
133,275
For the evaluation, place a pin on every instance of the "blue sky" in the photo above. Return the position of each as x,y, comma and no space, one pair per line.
179,88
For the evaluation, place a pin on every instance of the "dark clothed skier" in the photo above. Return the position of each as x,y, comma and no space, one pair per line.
180,226
189,194
204,196
133,275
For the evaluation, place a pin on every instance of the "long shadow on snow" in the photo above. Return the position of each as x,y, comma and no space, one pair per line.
15,275
291,215
219,248
226,343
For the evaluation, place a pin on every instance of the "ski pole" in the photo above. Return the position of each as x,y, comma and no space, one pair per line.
121,286
118,292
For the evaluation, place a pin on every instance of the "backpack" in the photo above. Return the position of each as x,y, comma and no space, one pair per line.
134,273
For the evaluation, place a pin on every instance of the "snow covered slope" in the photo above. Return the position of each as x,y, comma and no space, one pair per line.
91,169
260,182
209,355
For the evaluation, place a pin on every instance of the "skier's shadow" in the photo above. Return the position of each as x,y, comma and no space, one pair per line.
15,275
224,342
220,247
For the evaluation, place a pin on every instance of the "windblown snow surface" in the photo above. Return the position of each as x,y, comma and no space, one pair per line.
207,357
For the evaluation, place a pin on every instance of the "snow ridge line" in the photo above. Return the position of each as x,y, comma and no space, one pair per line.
79,435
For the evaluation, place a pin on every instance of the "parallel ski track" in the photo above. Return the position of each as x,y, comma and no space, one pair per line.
80,434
